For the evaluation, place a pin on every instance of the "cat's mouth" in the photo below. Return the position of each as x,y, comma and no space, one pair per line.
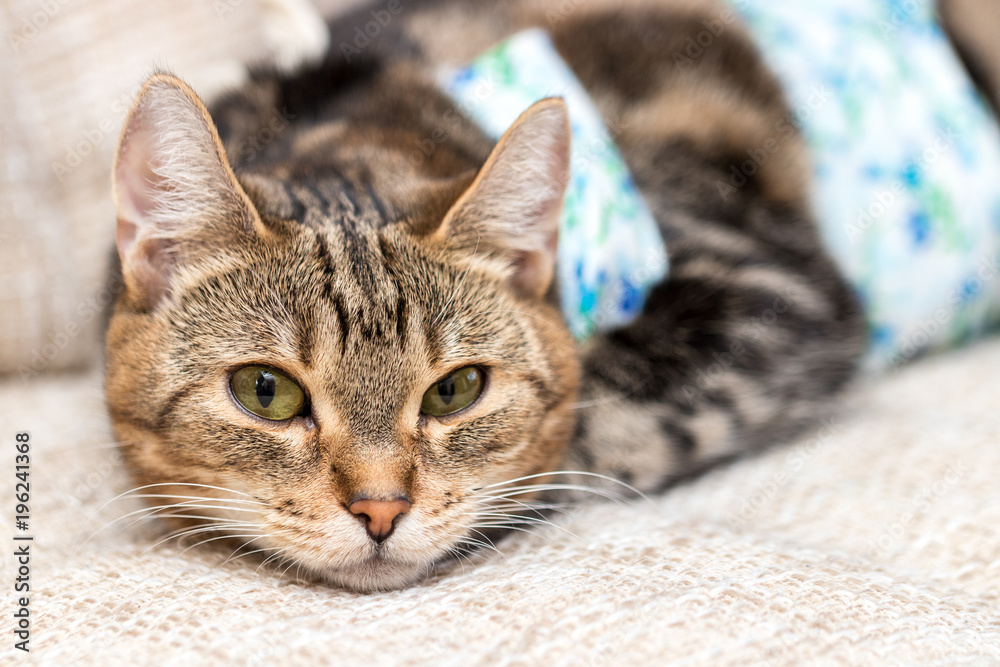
378,572
385,569
368,569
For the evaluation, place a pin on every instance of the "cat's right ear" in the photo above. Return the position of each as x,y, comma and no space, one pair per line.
173,187
512,208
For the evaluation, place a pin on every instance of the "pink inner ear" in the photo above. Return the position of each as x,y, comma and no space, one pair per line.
172,181
550,144
136,184
515,202
534,269
136,187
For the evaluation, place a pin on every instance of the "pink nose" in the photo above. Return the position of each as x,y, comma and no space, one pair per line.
379,515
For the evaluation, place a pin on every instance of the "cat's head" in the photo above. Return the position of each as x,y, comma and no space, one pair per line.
350,394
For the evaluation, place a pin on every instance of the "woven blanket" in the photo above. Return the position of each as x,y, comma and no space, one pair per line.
874,540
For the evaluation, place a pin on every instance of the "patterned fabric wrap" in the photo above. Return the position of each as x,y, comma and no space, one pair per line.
610,250
906,157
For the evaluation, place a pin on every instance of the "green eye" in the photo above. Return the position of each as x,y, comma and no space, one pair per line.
456,392
267,393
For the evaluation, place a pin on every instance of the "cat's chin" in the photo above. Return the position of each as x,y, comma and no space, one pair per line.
372,576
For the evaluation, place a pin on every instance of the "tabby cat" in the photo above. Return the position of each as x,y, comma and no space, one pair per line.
352,361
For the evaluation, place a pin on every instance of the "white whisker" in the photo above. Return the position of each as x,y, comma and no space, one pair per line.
508,526
255,536
537,488
198,498
454,551
583,473
131,492
159,511
287,568
190,531
277,554
485,542
234,557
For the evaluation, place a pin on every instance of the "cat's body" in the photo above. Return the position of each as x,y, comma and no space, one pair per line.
367,275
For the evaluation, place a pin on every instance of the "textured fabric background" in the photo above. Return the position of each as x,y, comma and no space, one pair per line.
875,540
68,71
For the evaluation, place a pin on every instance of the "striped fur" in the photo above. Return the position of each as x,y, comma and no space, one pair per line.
343,262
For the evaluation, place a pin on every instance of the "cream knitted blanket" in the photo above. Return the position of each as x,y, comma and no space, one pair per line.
875,540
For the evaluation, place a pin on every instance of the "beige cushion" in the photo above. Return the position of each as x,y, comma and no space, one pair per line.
874,542
67,75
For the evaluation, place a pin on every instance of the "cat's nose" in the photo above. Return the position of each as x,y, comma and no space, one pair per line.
379,515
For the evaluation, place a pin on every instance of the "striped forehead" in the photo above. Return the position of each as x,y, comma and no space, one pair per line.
345,215
324,195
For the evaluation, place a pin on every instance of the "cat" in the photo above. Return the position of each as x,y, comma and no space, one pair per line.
353,362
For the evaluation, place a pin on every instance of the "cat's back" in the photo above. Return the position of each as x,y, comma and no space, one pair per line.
682,88
661,73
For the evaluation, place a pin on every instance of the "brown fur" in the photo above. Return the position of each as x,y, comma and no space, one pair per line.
365,342
972,27
367,269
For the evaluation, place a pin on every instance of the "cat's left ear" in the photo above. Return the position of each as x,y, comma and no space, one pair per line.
175,193
513,206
